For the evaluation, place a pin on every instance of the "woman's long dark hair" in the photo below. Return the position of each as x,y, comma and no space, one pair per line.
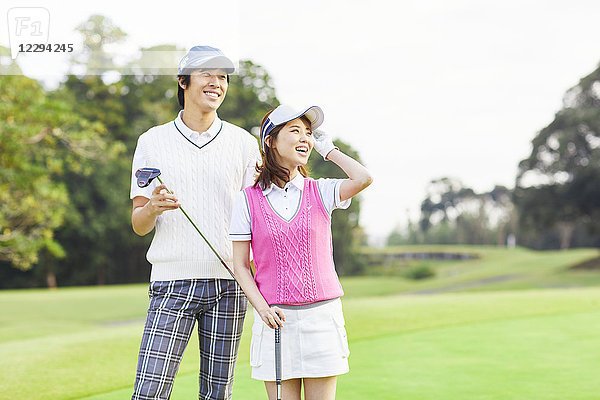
271,171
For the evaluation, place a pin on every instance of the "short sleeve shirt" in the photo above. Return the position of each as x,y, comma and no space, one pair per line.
285,202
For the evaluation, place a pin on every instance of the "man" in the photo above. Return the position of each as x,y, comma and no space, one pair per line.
205,162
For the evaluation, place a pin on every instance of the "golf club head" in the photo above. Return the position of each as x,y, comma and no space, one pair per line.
146,175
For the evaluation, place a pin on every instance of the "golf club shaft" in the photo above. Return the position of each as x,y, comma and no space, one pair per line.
278,361
203,237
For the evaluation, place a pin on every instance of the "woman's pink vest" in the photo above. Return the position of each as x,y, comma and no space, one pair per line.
294,260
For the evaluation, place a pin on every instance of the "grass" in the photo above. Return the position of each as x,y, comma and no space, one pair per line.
82,343
499,268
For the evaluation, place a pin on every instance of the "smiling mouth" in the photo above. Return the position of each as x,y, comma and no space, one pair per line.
303,150
212,95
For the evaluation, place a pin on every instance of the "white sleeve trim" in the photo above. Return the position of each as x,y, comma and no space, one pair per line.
338,198
240,237
329,189
240,228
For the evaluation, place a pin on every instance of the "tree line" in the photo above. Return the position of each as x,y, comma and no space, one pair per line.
65,165
555,203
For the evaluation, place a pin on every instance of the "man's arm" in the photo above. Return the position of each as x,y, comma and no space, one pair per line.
250,169
145,211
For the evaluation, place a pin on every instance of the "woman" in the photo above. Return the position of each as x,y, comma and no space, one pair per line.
286,218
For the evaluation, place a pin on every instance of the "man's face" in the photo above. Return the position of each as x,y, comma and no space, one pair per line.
207,89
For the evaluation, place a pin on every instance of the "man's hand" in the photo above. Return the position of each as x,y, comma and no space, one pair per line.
162,201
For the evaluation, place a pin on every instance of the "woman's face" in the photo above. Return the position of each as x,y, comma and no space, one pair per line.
293,144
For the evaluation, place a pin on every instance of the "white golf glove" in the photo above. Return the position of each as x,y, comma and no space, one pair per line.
323,143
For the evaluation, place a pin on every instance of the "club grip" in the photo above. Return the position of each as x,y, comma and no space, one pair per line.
278,361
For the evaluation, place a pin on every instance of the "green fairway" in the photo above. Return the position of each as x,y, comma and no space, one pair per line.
496,268
82,343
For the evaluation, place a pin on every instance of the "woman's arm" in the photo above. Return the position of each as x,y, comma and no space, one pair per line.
273,316
358,176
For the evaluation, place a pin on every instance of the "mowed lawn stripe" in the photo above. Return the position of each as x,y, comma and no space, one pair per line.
379,327
542,358
73,366
390,315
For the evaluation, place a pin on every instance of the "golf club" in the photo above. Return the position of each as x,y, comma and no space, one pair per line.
145,176
278,361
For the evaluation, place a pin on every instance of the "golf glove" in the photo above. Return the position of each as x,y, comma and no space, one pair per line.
323,143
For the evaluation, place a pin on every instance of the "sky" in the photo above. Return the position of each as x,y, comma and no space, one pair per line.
422,89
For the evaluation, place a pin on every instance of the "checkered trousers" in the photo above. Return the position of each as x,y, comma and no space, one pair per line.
219,306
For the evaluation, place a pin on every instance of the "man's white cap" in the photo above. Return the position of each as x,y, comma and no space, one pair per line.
205,57
284,114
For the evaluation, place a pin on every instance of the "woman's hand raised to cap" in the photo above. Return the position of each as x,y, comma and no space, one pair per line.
323,143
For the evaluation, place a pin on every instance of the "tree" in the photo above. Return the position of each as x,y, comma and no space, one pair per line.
454,214
503,212
40,139
249,96
97,238
445,200
396,238
92,229
558,185
97,32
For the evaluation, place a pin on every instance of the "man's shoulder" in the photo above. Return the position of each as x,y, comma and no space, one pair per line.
235,129
158,129
240,133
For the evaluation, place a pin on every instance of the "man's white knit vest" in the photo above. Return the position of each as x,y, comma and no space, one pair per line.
205,181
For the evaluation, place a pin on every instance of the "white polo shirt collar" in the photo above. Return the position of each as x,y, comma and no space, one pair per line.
298,182
192,135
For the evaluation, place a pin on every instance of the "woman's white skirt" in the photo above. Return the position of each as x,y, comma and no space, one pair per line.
313,343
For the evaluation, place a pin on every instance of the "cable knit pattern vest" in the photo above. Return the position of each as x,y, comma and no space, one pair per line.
294,259
205,180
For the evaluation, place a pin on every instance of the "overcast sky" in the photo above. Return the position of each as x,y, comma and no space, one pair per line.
422,89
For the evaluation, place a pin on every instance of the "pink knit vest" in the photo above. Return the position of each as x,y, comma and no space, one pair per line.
294,260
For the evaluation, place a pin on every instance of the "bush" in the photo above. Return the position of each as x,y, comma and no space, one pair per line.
419,272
